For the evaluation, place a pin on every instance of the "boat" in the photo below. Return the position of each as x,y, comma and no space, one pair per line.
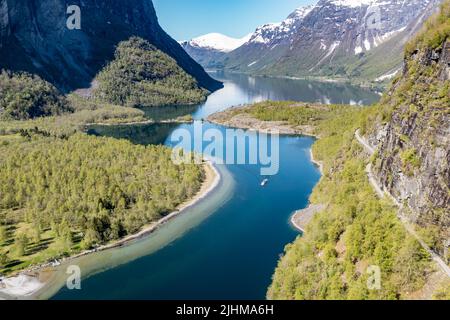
265,181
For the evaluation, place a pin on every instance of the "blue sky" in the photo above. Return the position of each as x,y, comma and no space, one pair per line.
186,19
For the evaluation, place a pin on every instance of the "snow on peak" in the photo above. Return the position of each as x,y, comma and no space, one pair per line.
271,31
301,12
218,42
352,3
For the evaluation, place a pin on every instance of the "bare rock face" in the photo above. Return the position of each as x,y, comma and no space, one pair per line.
413,161
34,37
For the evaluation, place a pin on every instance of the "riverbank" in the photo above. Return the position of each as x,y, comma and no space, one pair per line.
30,284
136,123
301,218
238,118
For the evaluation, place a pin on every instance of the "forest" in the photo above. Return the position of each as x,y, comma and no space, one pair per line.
24,96
60,196
62,191
356,230
143,76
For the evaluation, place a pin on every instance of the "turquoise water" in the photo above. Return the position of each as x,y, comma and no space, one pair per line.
228,246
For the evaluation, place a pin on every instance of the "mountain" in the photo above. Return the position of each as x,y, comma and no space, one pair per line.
34,37
403,229
412,134
210,49
359,39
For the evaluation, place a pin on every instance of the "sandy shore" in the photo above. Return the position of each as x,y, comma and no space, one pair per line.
29,282
301,218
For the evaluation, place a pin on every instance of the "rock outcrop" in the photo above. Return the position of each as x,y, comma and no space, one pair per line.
34,37
413,143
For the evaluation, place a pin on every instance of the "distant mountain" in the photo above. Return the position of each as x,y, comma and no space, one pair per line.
34,38
210,49
359,39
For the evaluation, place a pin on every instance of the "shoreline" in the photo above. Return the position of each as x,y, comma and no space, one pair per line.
301,218
318,163
366,84
26,284
136,123
247,122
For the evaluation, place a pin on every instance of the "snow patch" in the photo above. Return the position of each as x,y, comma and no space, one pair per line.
219,42
352,3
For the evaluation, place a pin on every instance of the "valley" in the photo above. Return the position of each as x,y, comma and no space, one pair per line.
122,158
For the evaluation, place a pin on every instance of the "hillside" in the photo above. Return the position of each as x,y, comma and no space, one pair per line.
24,96
34,38
357,230
412,134
143,76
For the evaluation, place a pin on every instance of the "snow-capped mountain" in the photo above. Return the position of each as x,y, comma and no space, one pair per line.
209,49
276,32
218,42
344,38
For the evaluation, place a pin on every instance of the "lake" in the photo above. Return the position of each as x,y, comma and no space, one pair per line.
228,245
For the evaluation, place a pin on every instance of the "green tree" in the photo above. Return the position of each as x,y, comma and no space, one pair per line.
3,234
20,244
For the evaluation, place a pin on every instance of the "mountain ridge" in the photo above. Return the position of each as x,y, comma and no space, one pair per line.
34,38
360,40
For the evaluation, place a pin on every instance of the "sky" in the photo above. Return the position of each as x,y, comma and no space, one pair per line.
187,19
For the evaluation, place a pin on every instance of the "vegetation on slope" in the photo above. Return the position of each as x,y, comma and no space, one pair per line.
416,115
355,231
434,33
24,96
59,196
143,76
298,114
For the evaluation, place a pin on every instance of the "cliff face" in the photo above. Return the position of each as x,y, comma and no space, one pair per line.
34,38
413,160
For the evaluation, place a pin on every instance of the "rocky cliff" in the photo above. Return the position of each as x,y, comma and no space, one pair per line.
34,37
413,134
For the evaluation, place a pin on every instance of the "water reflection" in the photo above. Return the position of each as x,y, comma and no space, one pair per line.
243,89
165,113
138,134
